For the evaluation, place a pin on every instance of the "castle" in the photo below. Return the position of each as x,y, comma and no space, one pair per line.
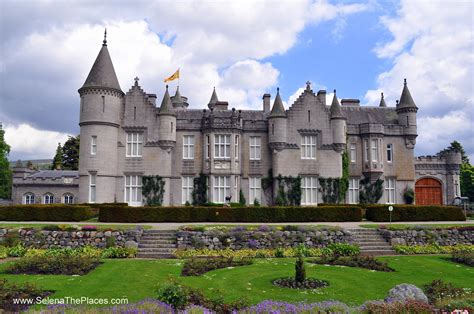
125,136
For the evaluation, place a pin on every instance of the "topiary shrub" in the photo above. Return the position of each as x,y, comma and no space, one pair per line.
414,213
300,272
242,200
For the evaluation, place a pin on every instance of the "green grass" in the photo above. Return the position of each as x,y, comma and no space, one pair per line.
138,279
412,226
99,226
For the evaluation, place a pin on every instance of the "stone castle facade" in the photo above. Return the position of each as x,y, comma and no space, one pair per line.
125,136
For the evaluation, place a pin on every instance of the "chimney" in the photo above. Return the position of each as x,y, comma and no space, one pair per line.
266,103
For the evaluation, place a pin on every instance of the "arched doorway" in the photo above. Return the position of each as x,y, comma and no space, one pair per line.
428,191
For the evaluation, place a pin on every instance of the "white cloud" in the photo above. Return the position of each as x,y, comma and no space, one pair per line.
432,47
33,143
214,43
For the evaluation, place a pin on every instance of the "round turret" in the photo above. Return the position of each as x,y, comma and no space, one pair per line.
277,123
167,122
338,125
406,111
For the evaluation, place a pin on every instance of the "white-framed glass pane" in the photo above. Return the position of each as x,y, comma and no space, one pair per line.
375,152
134,145
390,190
308,147
255,147
93,145
353,152
187,189
309,189
221,188
188,146
222,146
133,190
353,190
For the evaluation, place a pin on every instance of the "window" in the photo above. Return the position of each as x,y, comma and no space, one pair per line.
375,150
390,190
93,145
29,198
134,144
308,147
255,186
255,143
353,152
133,190
353,190
236,147
48,198
366,150
221,188
68,198
389,152
92,187
208,147
221,146
188,147
187,184
309,188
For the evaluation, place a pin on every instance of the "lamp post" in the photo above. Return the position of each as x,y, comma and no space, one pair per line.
390,209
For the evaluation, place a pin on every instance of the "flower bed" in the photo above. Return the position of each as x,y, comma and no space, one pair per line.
11,291
463,257
431,249
354,261
308,283
53,265
111,252
199,266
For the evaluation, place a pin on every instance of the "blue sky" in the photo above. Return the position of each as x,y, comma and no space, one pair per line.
245,49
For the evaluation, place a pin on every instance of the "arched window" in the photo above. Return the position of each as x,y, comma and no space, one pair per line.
68,198
48,198
29,198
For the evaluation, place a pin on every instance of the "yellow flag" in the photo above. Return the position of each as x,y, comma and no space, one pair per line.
173,77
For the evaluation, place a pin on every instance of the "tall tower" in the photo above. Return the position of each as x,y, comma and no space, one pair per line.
338,125
406,111
167,122
277,124
101,105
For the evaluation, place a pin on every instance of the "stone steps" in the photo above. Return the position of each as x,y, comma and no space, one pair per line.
371,242
157,244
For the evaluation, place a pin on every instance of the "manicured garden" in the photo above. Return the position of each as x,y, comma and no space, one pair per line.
140,279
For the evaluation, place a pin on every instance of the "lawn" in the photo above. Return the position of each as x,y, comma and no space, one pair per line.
412,226
99,226
137,279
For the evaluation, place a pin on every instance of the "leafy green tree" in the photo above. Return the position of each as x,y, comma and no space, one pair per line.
456,146
242,200
70,153
5,172
58,158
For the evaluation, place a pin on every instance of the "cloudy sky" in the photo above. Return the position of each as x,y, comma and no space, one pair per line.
245,49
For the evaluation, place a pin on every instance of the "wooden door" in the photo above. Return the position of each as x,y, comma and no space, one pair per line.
428,191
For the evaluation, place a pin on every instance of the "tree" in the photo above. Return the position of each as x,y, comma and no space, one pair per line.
58,158
5,171
456,146
242,200
70,153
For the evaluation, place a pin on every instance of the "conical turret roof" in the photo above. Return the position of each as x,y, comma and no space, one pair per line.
166,107
278,109
102,73
382,101
214,100
336,111
406,101
177,97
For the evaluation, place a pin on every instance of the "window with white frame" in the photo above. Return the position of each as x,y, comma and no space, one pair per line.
134,144
221,188
236,188
255,147
236,147
68,198
375,150
309,189
187,185
29,198
222,146
308,147
366,150
390,190
353,152
188,147
48,198
353,190
133,190
255,188
208,146
389,152
93,145
92,187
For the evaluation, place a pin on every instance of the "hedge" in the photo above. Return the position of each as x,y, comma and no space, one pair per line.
414,213
51,212
229,214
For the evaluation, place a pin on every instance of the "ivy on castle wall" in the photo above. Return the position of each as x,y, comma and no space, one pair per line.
344,182
370,193
153,188
289,191
200,189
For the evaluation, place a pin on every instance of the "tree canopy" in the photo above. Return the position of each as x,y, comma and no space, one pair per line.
5,172
67,156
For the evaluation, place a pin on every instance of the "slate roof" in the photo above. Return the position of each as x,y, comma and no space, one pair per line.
365,114
278,110
102,73
406,101
55,174
382,101
336,108
166,107
198,114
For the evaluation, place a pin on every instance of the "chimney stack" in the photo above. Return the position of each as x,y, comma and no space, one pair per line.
266,103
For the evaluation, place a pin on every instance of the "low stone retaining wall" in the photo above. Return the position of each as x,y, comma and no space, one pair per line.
216,239
429,236
72,239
